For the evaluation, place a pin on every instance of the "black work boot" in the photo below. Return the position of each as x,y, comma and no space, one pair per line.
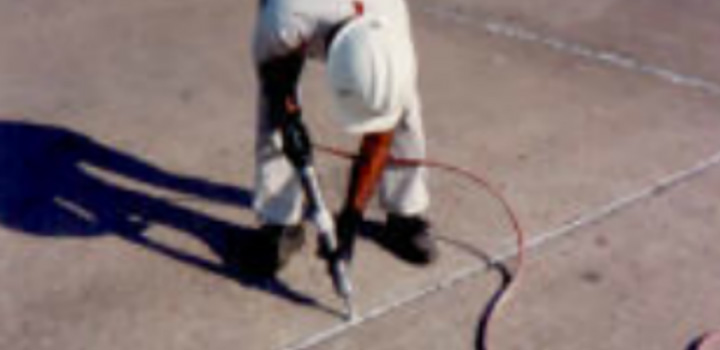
268,251
409,238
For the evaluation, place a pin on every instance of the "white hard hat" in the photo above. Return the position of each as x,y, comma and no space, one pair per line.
370,71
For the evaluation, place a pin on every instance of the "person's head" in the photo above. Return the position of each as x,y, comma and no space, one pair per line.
370,72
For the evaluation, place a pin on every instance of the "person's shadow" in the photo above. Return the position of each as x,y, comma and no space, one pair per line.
50,187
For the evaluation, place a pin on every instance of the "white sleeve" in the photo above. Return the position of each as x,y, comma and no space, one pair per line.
279,31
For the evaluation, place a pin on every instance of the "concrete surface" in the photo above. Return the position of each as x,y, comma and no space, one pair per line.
680,35
126,139
633,281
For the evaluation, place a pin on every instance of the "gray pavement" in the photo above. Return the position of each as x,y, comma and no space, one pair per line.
126,141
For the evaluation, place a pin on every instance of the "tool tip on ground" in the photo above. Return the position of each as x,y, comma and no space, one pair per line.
351,315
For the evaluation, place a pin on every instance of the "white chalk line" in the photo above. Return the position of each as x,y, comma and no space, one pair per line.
537,241
618,205
608,57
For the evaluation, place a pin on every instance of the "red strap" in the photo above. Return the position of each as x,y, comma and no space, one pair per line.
359,7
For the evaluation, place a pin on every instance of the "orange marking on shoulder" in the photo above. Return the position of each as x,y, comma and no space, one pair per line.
359,8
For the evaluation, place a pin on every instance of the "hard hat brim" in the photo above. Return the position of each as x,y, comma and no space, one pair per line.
353,112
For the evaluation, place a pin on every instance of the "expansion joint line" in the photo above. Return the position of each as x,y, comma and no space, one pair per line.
590,218
608,57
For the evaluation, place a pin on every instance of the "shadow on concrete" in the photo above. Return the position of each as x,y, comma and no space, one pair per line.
490,308
50,187
695,344
706,341
372,230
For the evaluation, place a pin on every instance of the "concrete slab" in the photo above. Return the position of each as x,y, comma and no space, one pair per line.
641,279
560,134
681,36
164,92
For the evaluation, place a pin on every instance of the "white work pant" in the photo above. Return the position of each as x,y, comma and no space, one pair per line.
278,194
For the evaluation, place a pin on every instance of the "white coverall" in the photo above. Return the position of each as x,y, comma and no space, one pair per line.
284,26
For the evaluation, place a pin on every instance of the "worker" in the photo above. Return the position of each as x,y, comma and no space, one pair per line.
372,75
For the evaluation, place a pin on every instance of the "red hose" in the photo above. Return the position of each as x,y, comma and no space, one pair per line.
493,191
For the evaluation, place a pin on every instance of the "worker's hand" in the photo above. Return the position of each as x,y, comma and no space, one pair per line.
347,226
296,141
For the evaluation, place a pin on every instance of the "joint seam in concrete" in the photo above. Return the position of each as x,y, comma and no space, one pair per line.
592,217
611,58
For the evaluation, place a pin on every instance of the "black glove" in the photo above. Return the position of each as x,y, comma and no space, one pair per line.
347,225
296,141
